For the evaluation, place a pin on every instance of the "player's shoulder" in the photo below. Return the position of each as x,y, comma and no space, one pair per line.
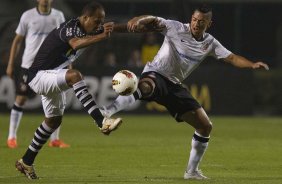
170,21
56,11
208,36
29,13
72,24
210,39
174,24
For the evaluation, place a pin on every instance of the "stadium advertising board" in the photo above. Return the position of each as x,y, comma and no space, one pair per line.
221,90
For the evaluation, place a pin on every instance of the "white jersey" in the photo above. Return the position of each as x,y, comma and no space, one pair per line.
35,27
180,53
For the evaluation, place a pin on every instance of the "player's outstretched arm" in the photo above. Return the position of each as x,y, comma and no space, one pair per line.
242,62
144,23
78,43
120,28
16,45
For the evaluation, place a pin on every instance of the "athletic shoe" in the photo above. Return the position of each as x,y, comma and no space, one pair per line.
110,124
12,143
196,175
28,171
58,144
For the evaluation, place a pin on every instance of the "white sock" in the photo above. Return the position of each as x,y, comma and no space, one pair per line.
120,103
197,151
55,134
15,119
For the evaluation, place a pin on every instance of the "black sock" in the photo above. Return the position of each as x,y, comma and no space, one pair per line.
88,102
41,135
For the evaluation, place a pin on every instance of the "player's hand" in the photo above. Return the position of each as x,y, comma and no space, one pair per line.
145,24
133,24
108,29
260,65
9,71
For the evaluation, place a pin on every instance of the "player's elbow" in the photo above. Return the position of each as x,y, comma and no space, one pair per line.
230,58
74,46
74,43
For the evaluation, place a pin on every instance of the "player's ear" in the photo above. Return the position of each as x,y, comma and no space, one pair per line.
85,18
210,24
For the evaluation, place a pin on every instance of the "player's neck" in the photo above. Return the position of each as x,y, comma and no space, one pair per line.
81,22
198,37
44,9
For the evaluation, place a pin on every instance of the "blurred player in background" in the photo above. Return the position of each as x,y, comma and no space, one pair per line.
47,77
34,26
185,46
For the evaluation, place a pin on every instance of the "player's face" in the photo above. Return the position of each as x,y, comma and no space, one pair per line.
45,3
199,23
94,22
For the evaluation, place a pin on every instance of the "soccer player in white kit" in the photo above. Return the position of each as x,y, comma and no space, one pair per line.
34,26
184,47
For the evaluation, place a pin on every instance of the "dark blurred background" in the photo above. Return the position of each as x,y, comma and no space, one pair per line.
249,28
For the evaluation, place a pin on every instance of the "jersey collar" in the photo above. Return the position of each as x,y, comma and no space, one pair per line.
44,14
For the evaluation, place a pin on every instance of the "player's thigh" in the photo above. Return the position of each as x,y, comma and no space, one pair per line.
48,82
54,104
178,101
152,85
20,99
22,88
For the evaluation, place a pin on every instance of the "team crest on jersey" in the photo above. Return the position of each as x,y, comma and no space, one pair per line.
206,45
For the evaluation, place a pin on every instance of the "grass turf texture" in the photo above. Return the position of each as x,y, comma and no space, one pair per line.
149,149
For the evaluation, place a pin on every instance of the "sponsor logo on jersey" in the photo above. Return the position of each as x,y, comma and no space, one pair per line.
69,31
184,41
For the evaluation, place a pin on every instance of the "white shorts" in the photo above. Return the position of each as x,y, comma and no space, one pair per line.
51,85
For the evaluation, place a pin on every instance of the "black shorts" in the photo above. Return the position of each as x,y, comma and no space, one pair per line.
22,88
176,98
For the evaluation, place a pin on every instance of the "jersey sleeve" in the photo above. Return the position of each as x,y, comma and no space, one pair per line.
171,26
62,17
219,51
67,32
23,25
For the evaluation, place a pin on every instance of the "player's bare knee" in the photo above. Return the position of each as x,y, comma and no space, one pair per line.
205,129
54,122
208,127
20,100
146,86
73,76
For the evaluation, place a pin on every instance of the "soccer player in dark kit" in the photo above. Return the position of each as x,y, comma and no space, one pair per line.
47,77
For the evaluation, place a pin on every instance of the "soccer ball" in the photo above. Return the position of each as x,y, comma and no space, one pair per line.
125,82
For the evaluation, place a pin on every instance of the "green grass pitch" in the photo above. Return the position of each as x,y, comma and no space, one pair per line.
149,149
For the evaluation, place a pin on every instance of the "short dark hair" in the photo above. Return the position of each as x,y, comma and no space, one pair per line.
90,8
203,8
